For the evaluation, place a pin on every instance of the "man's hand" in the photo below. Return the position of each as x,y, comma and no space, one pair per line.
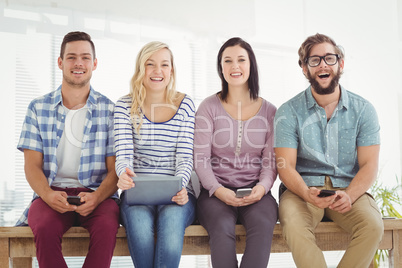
57,200
90,201
343,202
320,202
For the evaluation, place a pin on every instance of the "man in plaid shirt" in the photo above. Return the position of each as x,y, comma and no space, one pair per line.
68,145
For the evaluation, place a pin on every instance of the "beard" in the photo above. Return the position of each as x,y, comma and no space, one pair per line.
324,90
73,83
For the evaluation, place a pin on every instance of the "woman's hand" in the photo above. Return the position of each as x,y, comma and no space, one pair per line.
256,194
125,180
228,197
181,198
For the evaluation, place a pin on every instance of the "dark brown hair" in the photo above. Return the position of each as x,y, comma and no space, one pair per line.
253,85
76,36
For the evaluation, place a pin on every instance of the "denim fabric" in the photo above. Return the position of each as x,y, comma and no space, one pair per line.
168,222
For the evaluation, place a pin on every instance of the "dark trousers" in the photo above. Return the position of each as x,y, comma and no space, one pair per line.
48,227
219,220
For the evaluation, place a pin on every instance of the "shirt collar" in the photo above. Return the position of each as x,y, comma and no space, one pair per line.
343,101
57,98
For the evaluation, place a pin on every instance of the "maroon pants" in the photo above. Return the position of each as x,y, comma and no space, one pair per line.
48,227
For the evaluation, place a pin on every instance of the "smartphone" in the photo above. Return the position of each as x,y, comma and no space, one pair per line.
74,200
325,193
243,192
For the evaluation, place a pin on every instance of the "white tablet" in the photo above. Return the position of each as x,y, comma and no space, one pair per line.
153,190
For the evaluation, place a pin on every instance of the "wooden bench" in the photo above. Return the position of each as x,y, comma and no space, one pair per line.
17,246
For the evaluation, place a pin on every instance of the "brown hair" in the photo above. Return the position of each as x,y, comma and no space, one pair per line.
253,84
76,36
305,48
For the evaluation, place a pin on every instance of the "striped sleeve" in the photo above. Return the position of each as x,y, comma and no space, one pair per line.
185,141
123,132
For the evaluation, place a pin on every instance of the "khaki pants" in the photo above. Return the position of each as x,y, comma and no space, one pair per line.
299,220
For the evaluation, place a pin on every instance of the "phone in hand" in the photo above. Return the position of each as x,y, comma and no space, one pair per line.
74,200
326,193
243,192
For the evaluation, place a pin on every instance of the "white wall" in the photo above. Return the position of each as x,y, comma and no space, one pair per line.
369,30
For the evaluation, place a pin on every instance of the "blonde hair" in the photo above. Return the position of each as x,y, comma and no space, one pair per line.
137,88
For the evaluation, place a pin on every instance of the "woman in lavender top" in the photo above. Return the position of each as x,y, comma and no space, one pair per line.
154,132
232,150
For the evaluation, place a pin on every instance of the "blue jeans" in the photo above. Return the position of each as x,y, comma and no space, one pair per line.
168,222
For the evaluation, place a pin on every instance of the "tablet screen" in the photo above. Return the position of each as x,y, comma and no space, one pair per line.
153,190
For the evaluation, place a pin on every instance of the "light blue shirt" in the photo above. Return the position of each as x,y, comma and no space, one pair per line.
326,148
43,128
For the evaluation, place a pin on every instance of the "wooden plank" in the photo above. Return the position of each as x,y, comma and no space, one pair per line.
18,241
75,246
196,245
4,252
396,252
15,232
121,248
387,240
279,244
24,262
22,247
192,230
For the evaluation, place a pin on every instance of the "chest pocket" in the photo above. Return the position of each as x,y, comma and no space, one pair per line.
347,140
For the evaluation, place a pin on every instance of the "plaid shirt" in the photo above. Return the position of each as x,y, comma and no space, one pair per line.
43,128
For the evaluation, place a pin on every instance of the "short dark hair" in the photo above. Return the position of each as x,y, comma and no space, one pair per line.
76,36
253,84
305,48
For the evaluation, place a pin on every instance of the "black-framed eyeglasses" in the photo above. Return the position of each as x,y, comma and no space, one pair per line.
330,59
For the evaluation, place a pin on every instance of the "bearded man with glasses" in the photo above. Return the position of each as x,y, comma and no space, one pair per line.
327,146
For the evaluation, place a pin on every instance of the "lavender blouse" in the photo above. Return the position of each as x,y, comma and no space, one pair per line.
233,153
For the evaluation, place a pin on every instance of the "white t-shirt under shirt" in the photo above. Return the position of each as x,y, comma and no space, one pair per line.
69,149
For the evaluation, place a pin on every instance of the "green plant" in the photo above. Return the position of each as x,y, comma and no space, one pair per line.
389,202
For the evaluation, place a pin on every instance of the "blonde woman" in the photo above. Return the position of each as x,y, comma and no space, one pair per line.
154,131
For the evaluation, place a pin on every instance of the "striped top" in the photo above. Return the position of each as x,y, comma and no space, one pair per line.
164,148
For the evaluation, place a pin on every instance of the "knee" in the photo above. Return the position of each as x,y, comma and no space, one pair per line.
222,230
44,229
173,241
110,224
372,229
295,229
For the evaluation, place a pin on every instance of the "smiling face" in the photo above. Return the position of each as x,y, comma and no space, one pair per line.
158,69
77,64
324,79
236,66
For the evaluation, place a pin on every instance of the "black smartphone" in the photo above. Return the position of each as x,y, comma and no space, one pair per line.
243,192
74,200
325,193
